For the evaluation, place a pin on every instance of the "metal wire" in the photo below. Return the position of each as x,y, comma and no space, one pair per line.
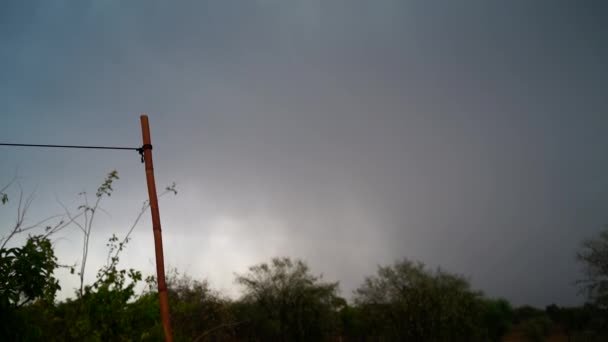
74,146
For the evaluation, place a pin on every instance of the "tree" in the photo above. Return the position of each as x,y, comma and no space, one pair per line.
406,301
26,275
497,318
284,302
102,311
536,328
197,312
26,272
593,254
573,320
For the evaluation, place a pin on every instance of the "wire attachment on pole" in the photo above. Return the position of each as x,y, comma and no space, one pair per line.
142,149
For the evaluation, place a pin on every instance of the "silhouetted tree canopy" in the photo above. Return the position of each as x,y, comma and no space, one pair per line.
282,300
407,301
286,303
593,254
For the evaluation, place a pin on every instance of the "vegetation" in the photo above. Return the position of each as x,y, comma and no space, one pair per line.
284,302
406,301
594,256
282,299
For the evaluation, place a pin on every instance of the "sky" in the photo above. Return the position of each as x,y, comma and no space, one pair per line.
469,135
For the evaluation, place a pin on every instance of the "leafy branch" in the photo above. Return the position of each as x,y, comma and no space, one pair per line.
85,219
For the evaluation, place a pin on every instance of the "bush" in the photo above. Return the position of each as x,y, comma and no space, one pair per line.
536,329
406,301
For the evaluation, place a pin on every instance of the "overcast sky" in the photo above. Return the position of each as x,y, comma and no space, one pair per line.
466,134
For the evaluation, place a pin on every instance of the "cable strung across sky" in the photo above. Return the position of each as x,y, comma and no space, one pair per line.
73,146
145,151
139,150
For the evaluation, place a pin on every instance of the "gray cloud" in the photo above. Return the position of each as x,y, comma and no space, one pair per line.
347,133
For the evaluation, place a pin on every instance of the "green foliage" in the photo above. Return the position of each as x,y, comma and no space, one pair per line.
536,328
102,312
107,310
26,276
497,318
26,273
3,194
284,302
197,312
406,301
106,186
588,322
351,322
527,312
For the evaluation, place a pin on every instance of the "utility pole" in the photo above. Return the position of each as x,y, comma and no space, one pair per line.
146,155
158,238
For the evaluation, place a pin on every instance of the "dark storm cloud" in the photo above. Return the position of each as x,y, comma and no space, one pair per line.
347,133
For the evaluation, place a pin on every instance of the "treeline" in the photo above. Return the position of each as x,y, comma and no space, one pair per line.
282,300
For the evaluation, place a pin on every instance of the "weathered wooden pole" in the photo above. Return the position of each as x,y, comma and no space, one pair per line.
158,238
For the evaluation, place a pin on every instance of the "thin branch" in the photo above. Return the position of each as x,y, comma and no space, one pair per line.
61,225
72,218
19,203
8,185
23,207
144,208
111,260
19,220
39,223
